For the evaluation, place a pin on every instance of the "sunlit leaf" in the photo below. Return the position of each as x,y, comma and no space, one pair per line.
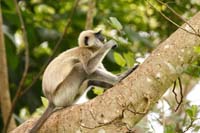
115,23
45,102
119,59
98,90
24,113
39,111
194,110
129,57
42,8
42,50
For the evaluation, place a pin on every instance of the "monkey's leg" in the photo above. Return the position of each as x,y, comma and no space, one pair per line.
102,84
108,77
98,56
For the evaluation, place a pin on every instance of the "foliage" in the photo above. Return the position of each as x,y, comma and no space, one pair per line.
136,27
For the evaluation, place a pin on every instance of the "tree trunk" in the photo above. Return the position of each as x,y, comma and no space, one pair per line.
122,106
90,14
4,87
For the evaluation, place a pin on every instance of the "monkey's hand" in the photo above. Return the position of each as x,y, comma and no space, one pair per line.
111,44
98,56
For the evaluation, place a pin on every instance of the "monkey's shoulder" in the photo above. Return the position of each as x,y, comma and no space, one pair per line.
83,54
60,67
77,52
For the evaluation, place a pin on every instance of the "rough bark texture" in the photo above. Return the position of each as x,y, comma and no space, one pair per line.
4,88
113,111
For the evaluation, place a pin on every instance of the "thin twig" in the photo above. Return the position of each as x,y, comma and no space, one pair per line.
24,75
180,17
179,102
69,21
174,23
181,94
189,126
173,90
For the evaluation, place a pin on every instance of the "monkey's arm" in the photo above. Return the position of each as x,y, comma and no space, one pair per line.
98,56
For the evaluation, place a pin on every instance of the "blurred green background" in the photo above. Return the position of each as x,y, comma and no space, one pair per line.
134,24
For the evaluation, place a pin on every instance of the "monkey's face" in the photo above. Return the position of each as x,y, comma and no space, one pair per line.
99,36
91,38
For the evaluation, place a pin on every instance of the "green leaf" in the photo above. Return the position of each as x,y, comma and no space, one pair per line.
41,50
194,110
119,59
169,129
129,57
115,23
98,90
24,113
45,102
189,113
44,9
193,70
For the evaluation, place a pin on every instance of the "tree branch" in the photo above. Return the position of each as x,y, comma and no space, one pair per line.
25,72
191,29
142,89
90,14
4,86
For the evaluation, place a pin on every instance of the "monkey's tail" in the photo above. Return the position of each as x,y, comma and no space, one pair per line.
43,118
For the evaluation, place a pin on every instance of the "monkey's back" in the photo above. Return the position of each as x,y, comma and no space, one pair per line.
56,76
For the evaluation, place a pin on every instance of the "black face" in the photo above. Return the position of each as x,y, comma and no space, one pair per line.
100,36
86,40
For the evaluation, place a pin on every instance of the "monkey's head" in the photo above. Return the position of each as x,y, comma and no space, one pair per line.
90,38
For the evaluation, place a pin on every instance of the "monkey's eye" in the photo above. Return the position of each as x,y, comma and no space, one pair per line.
86,40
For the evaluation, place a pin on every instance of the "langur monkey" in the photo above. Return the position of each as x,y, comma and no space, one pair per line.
64,76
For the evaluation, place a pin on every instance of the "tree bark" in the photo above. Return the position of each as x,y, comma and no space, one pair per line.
4,87
90,14
122,106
